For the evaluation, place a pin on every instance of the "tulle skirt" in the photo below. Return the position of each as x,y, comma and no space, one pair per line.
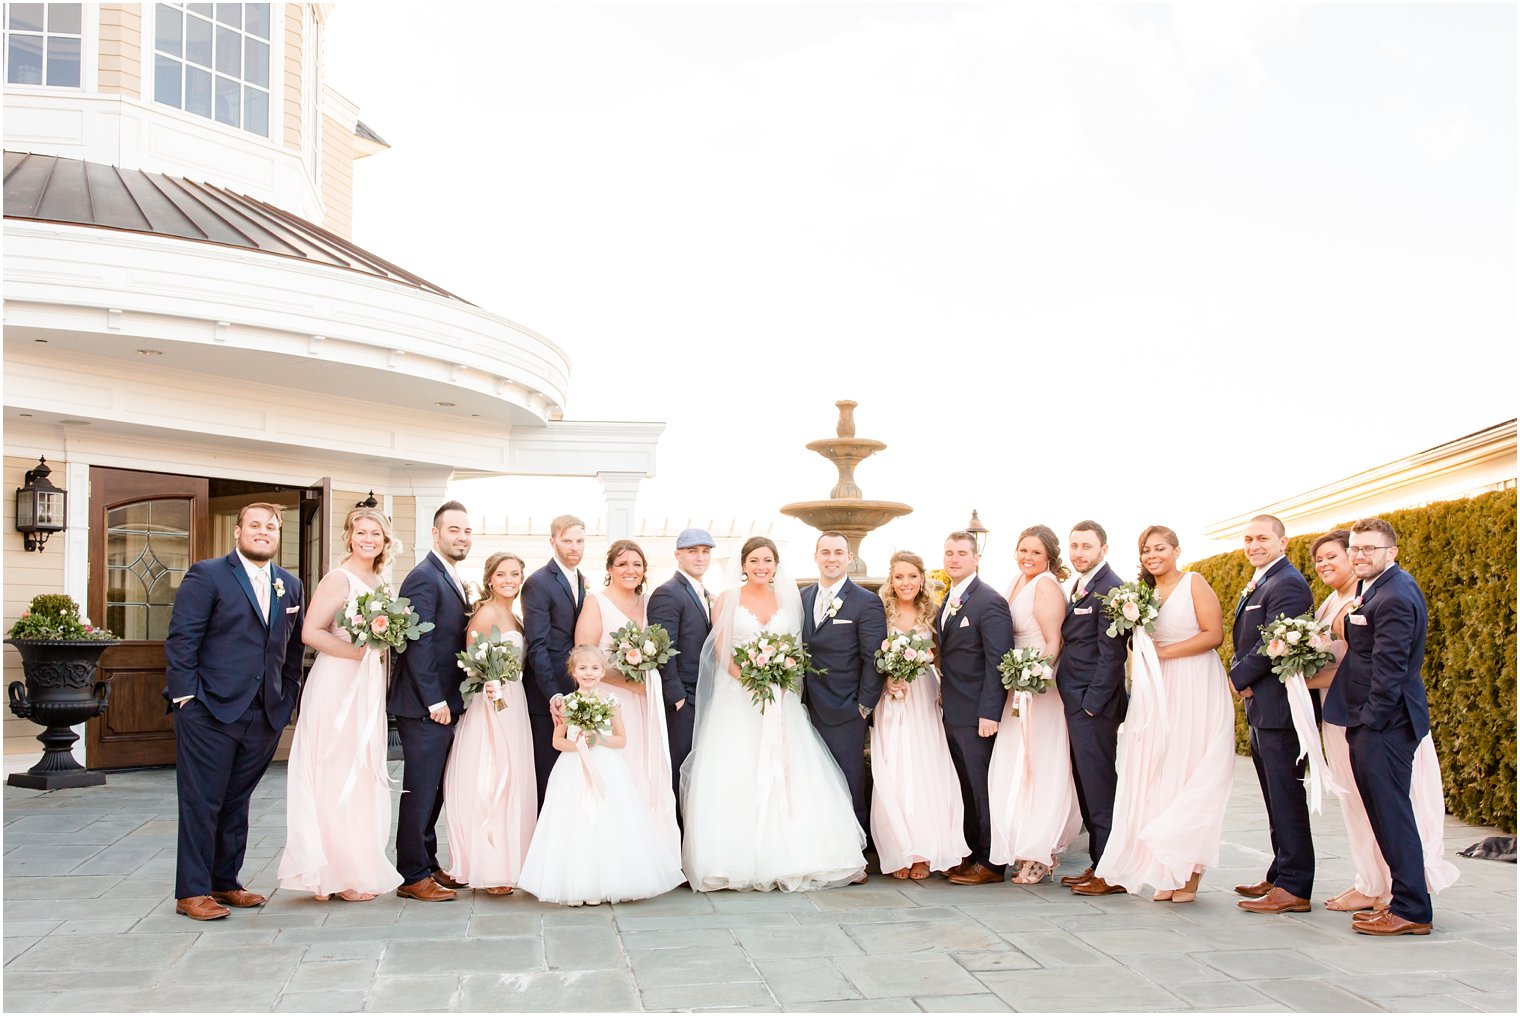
916,809
338,796
1029,784
489,791
596,844
647,754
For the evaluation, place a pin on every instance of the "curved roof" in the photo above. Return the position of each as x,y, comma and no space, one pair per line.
48,188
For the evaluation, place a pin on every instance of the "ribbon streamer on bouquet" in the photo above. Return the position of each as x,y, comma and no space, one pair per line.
592,776
892,717
1317,779
1147,695
358,708
1021,702
773,763
494,774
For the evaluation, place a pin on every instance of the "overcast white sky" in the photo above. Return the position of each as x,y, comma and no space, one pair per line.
1136,263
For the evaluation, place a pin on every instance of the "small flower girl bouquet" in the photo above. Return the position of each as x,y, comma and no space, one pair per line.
770,661
1026,670
489,657
636,651
1297,646
589,713
380,619
1132,605
905,656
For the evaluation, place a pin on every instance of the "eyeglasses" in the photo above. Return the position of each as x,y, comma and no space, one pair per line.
1366,551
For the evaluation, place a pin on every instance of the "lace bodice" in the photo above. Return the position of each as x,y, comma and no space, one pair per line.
747,625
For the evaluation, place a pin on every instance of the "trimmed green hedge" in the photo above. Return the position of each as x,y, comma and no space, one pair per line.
1463,555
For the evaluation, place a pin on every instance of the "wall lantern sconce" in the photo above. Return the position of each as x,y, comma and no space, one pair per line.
41,508
978,532
368,502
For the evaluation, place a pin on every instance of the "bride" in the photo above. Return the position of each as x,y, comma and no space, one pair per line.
765,805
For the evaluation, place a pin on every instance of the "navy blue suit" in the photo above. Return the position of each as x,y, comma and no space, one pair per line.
550,611
427,673
971,644
245,675
1379,697
677,606
843,648
1090,678
1283,590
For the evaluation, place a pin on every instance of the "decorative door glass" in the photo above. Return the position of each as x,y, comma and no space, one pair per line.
147,554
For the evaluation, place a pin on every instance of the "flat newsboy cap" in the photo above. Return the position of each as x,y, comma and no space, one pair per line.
694,538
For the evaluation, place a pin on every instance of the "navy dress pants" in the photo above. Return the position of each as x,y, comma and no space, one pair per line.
1274,752
425,746
1383,761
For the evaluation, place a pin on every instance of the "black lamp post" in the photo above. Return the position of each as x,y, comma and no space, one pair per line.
978,532
368,502
41,508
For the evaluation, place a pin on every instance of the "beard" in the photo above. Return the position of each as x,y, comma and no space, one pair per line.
455,554
260,554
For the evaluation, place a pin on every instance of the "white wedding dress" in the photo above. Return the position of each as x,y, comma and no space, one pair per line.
765,805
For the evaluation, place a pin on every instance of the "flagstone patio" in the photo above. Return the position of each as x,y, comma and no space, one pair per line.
89,925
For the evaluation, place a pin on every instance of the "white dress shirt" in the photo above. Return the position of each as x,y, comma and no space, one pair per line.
570,576
699,589
826,596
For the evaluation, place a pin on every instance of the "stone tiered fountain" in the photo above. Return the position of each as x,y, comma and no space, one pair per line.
846,511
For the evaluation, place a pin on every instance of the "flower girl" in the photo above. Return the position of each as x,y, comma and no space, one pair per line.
595,842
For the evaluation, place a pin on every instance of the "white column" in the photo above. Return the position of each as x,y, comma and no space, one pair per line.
621,491
76,557
431,489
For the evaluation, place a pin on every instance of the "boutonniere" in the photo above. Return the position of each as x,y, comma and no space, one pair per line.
834,606
279,588
472,591
1248,590
1354,605
955,605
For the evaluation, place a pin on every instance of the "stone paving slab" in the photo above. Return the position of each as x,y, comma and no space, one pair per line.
89,926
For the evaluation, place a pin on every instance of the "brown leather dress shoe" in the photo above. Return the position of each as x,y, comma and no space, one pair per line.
1070,880
1388,923
1278,901
240,898
200,908
977,874
955,869
1254,892
424,889
448,882
1096,886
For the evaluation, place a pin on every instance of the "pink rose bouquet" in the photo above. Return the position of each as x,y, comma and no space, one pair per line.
770,664
1132,605
636,651
1297,646
1027,670
379,619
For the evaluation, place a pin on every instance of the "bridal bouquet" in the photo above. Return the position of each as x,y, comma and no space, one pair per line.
1132,605
636,651
1298,646
905,656
588,712
489,657
381,619
770,661
1026,669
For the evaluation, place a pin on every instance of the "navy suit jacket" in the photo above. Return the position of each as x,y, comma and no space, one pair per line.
1090,672
843,649
677,607
549,615
1283,590
219,648
971,645
1379,677
428,672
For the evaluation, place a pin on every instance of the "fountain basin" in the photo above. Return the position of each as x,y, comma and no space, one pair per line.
853,518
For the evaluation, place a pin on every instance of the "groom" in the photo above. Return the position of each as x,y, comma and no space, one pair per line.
234,673
975,630
425,700
842,626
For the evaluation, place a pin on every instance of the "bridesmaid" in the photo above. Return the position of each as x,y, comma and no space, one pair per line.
1373,886
1034,798
338,797
643,706
1177,746
916,810
489,782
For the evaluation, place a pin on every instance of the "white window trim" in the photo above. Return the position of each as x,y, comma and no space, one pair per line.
276,80
89,59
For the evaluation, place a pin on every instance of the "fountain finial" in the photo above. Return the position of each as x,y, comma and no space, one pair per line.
846,425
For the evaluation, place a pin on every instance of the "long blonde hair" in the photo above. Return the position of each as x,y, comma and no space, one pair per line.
923,603
392,545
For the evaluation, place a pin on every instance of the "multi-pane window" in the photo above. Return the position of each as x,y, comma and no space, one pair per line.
213,60
43,44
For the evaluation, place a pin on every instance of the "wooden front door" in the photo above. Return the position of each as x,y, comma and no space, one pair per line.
146,529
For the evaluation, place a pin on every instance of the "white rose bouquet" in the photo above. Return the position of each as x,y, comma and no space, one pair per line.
1297,646
1132,605
636,651
586,712
380,619
905,656
1026,670
488,659
770,661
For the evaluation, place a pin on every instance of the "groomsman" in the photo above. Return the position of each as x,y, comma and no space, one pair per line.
842,626
1276,588
1090,678
1379,697
975,630
683,608
425,699
234,674
552,599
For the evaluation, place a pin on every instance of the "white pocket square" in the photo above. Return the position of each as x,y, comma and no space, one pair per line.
1355,619
1254,606
291,610
965,622
1083,610
841,620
